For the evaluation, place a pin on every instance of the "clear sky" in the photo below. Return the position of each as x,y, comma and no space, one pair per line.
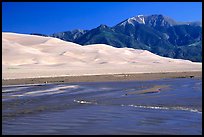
51,17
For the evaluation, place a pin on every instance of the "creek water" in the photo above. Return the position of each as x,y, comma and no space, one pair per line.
104,108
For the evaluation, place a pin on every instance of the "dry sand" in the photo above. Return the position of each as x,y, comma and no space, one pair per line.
28,56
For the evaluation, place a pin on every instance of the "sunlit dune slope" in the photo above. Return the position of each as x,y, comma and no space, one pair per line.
35,56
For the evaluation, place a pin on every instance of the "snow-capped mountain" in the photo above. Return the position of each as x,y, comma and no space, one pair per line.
134,20
155,21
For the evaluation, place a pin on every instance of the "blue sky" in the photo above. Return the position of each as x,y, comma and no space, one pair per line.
51,17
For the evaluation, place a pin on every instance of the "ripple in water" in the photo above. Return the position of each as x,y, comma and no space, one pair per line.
103,108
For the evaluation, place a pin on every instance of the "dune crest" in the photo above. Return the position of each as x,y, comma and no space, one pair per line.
25,56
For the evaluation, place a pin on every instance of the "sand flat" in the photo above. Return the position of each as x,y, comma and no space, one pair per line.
101,78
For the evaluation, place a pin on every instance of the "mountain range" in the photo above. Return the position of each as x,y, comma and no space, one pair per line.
157,33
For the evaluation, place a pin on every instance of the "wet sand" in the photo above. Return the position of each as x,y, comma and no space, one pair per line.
154,89
101,78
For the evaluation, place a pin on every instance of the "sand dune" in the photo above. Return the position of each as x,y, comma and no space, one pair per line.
35,56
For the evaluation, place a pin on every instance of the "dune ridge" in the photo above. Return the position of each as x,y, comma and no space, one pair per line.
30,56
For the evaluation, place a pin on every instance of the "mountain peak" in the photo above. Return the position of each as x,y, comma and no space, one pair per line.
151,20
103,26
139,19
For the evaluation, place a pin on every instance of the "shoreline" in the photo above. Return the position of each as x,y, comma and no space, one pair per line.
103,78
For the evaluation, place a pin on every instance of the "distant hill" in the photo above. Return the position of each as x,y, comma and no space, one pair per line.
156,33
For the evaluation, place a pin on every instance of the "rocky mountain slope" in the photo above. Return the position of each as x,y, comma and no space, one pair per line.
156,33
